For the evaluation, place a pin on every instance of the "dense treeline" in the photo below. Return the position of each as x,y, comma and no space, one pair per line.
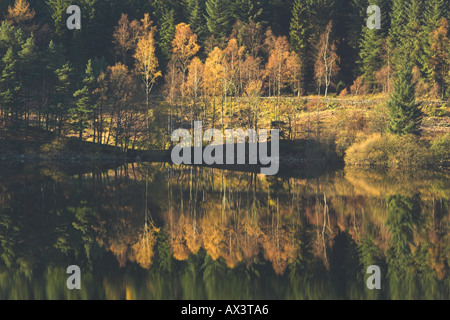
210,60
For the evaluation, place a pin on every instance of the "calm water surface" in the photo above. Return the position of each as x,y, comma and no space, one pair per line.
156,231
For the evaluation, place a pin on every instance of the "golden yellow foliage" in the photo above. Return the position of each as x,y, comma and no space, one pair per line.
143,250
20,12
184,44
145,56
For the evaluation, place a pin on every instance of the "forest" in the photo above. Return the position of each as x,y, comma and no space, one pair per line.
363,115
138,70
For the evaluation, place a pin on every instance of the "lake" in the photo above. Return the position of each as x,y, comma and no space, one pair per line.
158,231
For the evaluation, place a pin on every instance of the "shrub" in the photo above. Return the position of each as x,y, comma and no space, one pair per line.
344,93
369,152
348,128
389,151
379,119
440,149
435,111
409,152
55,146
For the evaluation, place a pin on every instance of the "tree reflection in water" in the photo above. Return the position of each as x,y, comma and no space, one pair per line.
153,231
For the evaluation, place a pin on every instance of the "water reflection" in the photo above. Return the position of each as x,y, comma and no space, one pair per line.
153,231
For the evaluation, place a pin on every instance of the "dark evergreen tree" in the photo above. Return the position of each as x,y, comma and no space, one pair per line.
85,105
197,19
403,216
219,18
246,10
404,112
371,52
411,45
346,18
435,10
300,36
62,97
10,84
167,33
29,73
300,29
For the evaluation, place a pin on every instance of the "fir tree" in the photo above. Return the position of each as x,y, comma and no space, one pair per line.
85,104
10,84
404,113
62,93
28,71
399,19
300,26
167,33
300,33
410,41
218,18
435,10
246,10
371,47
197,19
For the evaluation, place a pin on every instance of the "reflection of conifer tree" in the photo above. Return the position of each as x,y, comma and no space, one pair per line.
344,265
403,217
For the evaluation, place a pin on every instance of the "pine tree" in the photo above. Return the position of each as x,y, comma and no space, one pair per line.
246,10
435,10
20,13
370,55
399,19
197,19
57,9
62,93
371,47
404,113
300,26
300,33
10,84
85,104
410,42
218,19
28,71
167,33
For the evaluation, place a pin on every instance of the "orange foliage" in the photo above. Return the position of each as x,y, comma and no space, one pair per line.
143,250
20,12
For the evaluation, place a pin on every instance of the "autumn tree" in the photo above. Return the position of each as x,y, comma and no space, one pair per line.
253,93
125,36
440,57
184,47
120,105
146,61
276,68
233,57
20,13
327,63
194,83
249,35
294,73
213,75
